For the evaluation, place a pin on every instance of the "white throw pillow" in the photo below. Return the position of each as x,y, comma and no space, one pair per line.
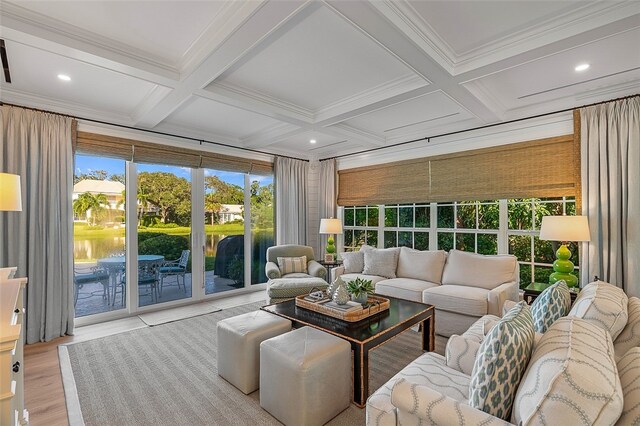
603,304
479,270
571,378
461,353
630,335
421,265
353,262
629,372
381,262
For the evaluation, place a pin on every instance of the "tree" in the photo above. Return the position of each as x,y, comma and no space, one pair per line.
169,193
92,174
120,177
90,202
261,205
220,192
212,205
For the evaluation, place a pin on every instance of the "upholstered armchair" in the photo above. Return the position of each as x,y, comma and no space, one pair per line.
286,283
272,270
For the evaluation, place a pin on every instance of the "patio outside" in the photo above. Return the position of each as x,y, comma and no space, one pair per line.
163,212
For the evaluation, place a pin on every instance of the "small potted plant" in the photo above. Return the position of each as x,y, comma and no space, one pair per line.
359,289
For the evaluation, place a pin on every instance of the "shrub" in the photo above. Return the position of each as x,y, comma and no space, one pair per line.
164,225
144,236
169,246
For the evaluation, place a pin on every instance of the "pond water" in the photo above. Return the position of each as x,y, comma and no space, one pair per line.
89,249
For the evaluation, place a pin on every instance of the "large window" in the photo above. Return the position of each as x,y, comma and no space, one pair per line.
486,227
198,232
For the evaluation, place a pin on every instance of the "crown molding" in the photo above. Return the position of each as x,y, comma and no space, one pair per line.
50,29
155,95
356,134
27,99
578,20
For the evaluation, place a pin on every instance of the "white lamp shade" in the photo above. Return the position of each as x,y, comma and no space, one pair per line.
565,228
10,194
330,226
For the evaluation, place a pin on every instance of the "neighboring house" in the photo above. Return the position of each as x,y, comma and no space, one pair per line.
112,189
230,212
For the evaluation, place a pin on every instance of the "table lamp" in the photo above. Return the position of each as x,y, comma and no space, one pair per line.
564,229
10,194
330,226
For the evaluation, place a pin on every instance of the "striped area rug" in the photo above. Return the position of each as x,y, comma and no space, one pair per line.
166,375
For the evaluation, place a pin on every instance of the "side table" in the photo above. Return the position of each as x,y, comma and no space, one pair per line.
329,266
533,290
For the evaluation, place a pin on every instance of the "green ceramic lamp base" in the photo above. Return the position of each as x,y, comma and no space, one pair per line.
331,248
562,268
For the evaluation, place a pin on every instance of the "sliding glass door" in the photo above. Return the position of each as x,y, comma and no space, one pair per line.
164,233
224,231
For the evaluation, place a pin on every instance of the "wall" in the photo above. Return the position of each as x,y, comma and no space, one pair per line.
313,211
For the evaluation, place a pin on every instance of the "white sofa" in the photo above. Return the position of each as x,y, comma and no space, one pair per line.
584,369
462,286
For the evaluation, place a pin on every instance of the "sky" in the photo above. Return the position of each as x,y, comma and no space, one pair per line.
86,164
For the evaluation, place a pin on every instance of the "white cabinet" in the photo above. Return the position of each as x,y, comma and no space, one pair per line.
12,411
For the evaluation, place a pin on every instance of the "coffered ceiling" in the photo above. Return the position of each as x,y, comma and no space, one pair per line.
350,75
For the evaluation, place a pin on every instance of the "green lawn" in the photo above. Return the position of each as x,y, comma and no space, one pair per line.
81,230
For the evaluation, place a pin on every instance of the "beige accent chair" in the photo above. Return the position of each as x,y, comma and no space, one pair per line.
283,287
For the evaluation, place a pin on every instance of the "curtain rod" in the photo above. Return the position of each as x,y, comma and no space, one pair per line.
173,135
428,138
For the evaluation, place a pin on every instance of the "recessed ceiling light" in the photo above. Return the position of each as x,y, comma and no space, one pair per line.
312,141
64,77
582,67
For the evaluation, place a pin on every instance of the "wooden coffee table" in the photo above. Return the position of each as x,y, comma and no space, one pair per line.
367,334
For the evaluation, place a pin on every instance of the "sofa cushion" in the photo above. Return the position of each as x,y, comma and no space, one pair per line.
478,270
353,261
455,298
281,288
630,335
604,305
429,370
571,379
373,278
553,303
629,372
292,265
403,288
382,262
501,361
460,353
421,265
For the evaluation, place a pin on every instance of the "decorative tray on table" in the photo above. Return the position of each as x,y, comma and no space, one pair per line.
351,312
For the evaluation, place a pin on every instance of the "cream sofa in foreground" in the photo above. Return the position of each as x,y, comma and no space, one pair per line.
584,370
462,286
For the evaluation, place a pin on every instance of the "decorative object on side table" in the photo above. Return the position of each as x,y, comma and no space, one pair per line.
359,289
564,229
330,226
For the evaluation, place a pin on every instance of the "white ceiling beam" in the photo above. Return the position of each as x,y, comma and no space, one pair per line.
266,20
376,26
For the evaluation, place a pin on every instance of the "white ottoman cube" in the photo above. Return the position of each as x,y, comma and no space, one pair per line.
305,377
239,341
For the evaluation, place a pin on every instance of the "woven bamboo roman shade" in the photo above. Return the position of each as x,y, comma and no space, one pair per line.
147,152
540,168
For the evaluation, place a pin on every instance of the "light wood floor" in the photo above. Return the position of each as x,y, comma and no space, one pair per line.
44,394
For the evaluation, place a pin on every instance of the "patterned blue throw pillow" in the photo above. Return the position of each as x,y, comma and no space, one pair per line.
501,362
553,303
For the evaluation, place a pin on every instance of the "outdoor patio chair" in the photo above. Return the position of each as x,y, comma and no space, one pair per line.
87,275
147,278
175,268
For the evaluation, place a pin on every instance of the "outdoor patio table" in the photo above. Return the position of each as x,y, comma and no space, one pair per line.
115,265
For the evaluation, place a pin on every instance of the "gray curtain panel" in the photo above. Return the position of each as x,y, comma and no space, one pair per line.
291,200
610,136
39,239
326,197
